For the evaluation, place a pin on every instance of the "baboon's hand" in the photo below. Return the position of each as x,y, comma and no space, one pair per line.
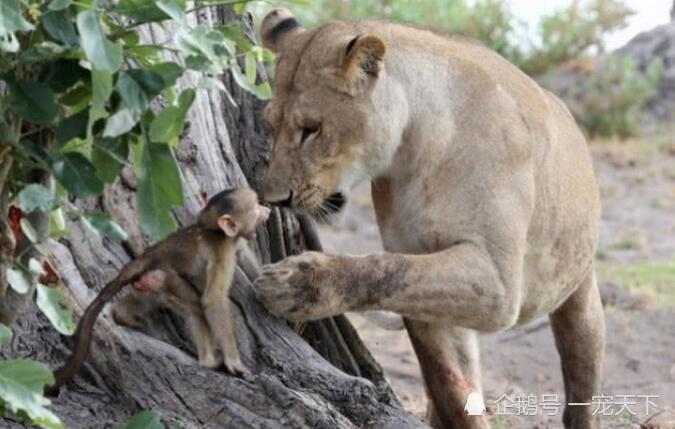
301,287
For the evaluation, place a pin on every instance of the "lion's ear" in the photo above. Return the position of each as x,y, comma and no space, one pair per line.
362,61
276,27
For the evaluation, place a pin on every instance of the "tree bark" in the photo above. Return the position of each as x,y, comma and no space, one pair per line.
324,379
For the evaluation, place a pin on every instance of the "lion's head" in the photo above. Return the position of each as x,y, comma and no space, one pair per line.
329,115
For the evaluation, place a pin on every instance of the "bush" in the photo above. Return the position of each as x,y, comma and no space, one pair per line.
611,102
565,34
573,32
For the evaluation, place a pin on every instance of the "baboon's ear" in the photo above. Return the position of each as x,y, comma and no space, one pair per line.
276,27
228,225
362,61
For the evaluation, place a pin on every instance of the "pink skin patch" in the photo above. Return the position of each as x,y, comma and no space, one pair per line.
151,281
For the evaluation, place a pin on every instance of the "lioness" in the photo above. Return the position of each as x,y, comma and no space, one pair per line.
483,188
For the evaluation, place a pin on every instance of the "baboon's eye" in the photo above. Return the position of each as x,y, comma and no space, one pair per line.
309,131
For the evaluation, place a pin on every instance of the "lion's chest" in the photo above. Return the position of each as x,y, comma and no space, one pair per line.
408,220
555,259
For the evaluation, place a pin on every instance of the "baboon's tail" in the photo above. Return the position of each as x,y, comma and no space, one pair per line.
130,273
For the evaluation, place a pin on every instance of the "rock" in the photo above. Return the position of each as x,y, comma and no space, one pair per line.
570,80
616,295
644,48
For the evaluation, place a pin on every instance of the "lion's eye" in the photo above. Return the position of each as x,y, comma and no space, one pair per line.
308,132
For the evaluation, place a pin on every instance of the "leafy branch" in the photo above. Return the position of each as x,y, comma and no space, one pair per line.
81,97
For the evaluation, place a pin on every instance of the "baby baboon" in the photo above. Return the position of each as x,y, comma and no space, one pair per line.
191,272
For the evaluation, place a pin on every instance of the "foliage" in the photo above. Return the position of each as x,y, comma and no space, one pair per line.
82,96
49,301
572,32
143,420
81,91
656,276
565,34
611,101
5,334
21,385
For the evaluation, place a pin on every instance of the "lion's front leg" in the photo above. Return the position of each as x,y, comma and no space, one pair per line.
315,285
459,286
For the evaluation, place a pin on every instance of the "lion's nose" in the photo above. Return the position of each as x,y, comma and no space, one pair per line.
275,193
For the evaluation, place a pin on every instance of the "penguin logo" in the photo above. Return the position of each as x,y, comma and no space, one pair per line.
474,404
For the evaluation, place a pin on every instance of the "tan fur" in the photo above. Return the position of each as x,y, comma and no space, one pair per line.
484,193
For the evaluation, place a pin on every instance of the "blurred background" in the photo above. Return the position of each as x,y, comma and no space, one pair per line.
613,63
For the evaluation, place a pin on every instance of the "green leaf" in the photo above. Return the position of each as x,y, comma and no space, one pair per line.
18,280
251,68
74,126
5,334
77,174
132,94
159,188
152,82
143,10
49,302
34,102
21,384
36,198
235,32
138,87
197,62
239,8
104,225
35,267
109,156
172,9
75,96
29,374
28,230
59,4
59,26
202,40
146,55
170,72
119,123
263,91
41,52
143,420
211,83
169,124
57,224
101,52
11,21
101,84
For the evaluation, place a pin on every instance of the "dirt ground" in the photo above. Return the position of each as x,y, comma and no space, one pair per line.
637,182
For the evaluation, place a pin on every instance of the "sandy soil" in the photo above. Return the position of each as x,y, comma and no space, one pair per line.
638,189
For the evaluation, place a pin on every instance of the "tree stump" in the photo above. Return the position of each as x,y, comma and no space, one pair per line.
324,379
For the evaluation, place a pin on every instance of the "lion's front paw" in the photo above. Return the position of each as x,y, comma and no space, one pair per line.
299,287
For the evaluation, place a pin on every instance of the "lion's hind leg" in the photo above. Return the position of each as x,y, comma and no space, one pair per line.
579,330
